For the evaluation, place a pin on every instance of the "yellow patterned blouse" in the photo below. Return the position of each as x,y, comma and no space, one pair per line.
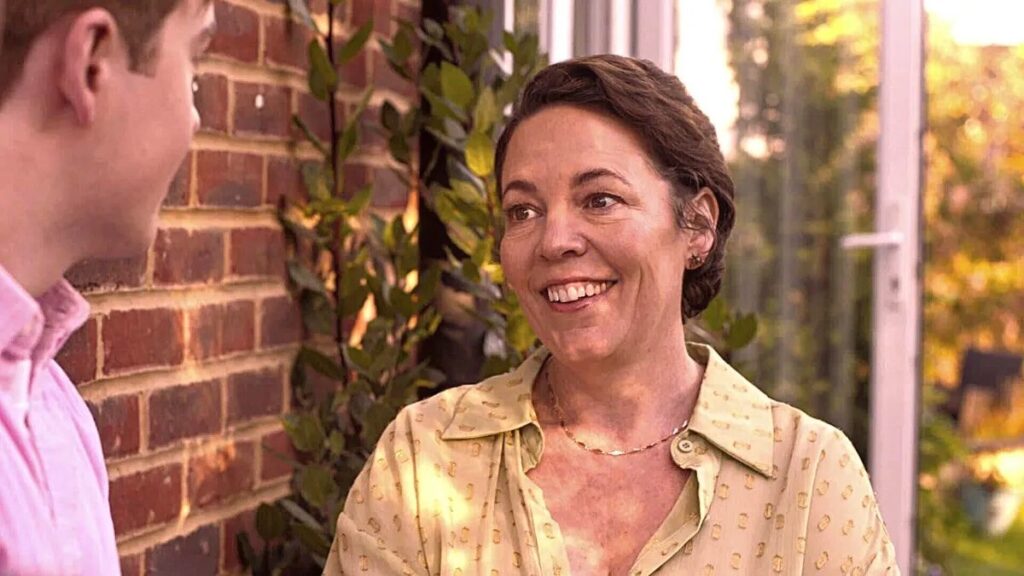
446,491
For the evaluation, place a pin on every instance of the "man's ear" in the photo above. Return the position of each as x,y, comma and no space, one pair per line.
705,213
87,60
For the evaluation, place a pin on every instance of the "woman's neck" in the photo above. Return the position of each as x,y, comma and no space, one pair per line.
625,400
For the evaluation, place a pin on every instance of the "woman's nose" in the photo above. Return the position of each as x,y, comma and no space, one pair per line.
562,236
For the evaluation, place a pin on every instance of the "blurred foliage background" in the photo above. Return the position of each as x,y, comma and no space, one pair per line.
807,128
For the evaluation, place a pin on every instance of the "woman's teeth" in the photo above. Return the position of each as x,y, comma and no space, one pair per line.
576,291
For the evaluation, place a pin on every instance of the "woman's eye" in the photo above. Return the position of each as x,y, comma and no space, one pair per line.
602,201
520,213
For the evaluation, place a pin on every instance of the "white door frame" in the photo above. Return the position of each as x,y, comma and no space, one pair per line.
897,293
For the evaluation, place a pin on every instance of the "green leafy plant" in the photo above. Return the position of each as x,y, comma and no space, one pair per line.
940,525
465,96
356,370
724,328
344,257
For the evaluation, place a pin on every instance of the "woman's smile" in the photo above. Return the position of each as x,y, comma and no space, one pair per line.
571,296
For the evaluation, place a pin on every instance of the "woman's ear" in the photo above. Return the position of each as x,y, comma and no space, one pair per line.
704,207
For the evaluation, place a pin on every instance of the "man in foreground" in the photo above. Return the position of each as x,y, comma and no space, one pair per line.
96,115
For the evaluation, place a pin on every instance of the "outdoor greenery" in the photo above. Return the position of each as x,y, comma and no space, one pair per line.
807,71
366,306
367,298
804,170
465,94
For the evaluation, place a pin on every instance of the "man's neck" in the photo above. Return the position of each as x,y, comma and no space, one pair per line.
36,248
32,266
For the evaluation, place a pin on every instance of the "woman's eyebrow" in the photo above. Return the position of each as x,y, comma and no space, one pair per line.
586,176
521,185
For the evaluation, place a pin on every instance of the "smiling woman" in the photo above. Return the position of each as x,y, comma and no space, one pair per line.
617,448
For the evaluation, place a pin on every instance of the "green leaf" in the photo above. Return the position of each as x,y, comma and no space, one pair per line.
454,130
360,201
316,180
486,112
308,133
322,363
323,79
402,45
508,40
336,443
403,303
433,29
742,331
354,44
306,278
480,154
483,251
363,103
520,335
358,358
430,280
384,360
299,514
316,485
317,313
715,315
305,431
398,146
390,117
456,85
347,141
246,552
436,43
271,522
375,422
312,540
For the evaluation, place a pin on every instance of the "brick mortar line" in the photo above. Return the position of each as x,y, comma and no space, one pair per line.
100,356
186,296
191,373
282,75
212,142
213,218
267,7
140,542
184,450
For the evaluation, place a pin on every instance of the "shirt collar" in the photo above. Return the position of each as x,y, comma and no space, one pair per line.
731,413
37,328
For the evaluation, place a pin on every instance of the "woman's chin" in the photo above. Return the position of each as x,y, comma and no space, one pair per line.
579,348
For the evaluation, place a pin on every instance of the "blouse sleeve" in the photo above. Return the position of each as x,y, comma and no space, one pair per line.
845,531
378,530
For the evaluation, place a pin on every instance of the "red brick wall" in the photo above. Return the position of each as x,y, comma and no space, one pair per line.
184,360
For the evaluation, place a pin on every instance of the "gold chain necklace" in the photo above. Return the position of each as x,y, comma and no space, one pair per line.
593,449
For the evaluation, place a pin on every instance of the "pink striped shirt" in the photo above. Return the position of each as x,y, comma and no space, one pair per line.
54,512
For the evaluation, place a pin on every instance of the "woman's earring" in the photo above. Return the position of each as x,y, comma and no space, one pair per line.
695,261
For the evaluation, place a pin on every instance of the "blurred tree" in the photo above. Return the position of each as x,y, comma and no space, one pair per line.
807,72
974,202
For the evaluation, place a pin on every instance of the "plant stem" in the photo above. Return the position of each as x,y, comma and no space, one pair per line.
338,250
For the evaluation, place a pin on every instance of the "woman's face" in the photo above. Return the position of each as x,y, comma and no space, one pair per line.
591,244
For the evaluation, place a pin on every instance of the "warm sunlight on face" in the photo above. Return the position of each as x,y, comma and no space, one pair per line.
981,22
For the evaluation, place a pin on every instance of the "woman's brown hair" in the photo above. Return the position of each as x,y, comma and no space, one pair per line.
679,138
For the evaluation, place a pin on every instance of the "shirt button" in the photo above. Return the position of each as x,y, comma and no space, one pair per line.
685,446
